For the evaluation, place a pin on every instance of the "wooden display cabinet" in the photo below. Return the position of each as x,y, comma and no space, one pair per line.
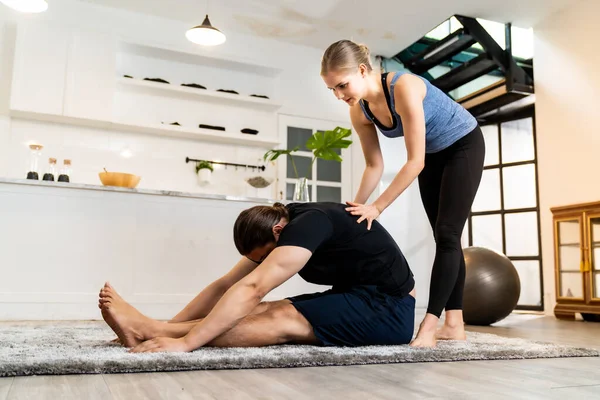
577,260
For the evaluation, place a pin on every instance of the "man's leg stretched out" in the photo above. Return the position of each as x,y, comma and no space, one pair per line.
270,323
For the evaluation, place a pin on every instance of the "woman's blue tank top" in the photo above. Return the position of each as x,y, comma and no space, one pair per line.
446,121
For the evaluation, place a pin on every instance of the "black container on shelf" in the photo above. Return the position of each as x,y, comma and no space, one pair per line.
65,172
51,171
34,158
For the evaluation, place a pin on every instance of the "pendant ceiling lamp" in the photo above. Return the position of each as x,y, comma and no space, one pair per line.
205,34
26,6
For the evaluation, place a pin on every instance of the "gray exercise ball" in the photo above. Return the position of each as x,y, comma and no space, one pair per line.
492,286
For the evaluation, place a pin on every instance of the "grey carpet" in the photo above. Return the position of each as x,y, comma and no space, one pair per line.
84,348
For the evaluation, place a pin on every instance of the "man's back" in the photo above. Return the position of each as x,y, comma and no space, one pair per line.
345,253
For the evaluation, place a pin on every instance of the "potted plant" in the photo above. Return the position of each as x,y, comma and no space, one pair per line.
323,145
204,170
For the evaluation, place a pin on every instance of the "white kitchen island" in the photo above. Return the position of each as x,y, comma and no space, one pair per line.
59,243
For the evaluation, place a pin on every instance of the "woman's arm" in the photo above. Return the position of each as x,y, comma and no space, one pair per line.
204,302
372,152
409,93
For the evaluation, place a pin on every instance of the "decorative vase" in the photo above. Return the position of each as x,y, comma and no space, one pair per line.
301,190
204,176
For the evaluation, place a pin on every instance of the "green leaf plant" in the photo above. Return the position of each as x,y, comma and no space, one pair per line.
323,145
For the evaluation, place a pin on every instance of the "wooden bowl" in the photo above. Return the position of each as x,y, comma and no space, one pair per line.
119,179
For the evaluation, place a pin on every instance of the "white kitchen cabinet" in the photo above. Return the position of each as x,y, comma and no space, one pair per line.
39,69
90,78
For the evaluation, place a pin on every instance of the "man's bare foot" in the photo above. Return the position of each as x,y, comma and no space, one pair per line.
129,324
447,332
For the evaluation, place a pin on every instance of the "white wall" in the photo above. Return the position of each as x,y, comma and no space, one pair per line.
159,160
567,85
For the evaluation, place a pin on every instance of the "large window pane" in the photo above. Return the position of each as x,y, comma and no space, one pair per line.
440,31
487,232
465,236
496,30
298,137
517,141
444,29
519,187
302,165
329,170
326,193
488,194
529,275
454,24
516,233
492,147
522,42
521,234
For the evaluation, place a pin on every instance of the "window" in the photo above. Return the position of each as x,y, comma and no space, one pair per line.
327,180
505,215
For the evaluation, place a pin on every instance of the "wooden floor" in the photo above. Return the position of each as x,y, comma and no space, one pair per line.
565,379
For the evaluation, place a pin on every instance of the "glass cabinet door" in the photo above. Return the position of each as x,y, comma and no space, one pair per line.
569,259
594,256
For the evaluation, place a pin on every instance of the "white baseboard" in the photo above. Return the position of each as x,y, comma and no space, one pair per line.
78,311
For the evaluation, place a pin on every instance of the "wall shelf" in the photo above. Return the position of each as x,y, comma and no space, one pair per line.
206,94
183,55
158,129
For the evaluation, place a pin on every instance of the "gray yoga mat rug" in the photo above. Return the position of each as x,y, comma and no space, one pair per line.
42,348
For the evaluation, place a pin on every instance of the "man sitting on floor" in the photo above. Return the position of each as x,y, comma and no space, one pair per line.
371,301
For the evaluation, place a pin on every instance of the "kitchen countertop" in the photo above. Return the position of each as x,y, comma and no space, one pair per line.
156,192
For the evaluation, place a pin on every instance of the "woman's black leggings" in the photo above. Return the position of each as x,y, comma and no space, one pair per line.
448,184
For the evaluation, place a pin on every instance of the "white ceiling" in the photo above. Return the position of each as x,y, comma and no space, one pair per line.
386,26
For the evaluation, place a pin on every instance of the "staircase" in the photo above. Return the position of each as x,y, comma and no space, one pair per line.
465,63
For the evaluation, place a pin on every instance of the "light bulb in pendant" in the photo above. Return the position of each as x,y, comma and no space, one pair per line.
205,34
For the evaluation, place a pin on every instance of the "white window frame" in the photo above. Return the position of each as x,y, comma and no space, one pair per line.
313,124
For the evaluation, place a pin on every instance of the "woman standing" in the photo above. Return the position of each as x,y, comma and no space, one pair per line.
445,150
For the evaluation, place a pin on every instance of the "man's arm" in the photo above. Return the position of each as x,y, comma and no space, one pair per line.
204,302
283,263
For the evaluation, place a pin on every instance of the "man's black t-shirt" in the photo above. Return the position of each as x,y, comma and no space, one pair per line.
345,253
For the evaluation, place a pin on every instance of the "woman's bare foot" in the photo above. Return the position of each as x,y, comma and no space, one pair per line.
426,334
425,338
454,326
451,333
131,326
